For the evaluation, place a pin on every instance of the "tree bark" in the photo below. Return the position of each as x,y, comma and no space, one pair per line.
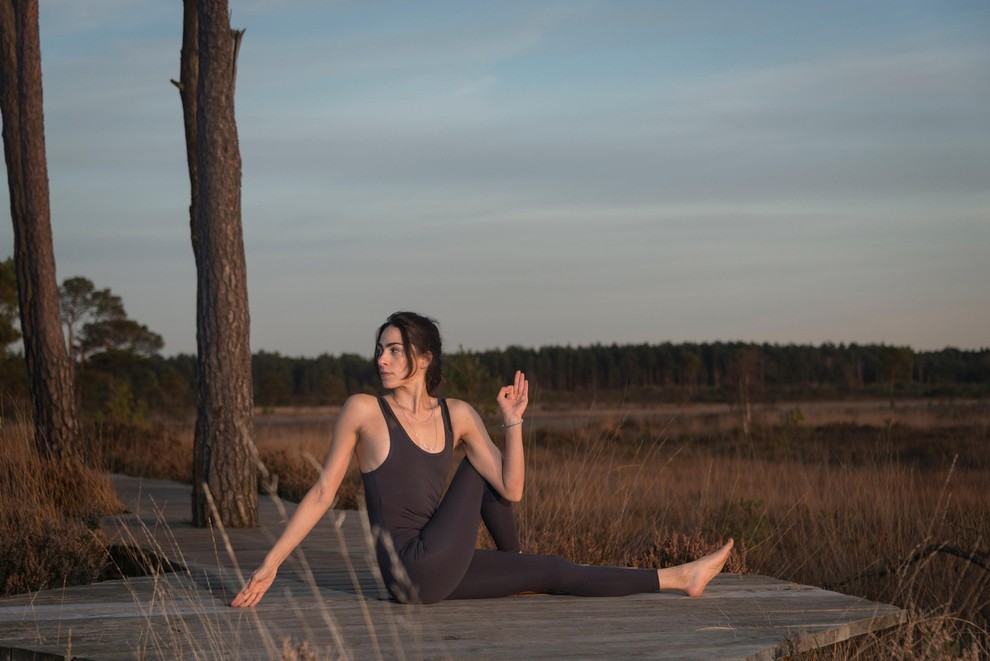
188,77
49,371
225,458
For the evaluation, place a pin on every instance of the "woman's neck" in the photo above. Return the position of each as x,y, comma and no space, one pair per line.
413,398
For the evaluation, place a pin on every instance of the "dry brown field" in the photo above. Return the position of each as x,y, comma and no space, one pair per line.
872,498
878,499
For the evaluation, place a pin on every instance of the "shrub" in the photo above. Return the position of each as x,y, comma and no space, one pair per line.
50,511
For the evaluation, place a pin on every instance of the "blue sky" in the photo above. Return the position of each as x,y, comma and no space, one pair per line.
541,173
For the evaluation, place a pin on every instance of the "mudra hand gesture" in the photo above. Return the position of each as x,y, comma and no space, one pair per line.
512,400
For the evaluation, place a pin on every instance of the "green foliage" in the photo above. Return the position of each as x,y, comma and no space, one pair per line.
466,378
119,335
123,375
123,387
95,321
273,379
793,427
716,372
281,380
79,299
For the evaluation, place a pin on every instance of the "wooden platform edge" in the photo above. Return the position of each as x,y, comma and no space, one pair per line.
808,641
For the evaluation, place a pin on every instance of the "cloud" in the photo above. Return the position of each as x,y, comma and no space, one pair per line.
604,174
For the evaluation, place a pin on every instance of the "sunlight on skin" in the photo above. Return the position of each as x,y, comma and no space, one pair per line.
691,578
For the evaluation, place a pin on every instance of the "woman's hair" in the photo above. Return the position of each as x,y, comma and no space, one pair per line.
420,335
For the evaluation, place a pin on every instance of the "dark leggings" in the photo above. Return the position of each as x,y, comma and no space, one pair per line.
443,563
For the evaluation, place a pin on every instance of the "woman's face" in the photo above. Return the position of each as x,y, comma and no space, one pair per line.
393,367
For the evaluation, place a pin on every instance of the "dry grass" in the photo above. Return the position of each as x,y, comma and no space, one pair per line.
843,505
292,449
50,513
293,446
839,495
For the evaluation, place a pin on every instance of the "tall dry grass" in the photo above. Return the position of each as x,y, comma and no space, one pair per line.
869,510
292,451
870,500
50,516
851,496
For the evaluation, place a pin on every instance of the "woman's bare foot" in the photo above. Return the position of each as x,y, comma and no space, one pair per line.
692,577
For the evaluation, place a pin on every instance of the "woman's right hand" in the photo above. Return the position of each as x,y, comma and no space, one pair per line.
512,400
255,588
355,412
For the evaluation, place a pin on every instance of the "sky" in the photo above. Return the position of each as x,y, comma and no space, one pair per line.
544,173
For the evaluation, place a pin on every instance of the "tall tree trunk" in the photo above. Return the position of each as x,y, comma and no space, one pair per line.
188,77
225,459
49,371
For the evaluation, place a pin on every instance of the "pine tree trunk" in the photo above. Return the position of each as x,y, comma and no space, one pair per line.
225,459
49,371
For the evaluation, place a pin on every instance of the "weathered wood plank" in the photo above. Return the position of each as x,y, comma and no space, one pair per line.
184,615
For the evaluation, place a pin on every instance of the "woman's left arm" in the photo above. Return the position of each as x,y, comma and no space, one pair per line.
505,473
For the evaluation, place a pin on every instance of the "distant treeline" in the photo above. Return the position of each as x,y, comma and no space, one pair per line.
123,385
675,372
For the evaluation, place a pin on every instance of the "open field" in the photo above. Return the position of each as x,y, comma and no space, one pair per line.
886,502
853,495
677,420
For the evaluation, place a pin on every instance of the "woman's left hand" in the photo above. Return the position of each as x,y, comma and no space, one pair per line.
512,400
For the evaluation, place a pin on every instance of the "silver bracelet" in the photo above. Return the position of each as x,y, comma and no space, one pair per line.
512,425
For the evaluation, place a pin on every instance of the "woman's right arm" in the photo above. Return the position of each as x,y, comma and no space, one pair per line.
313,506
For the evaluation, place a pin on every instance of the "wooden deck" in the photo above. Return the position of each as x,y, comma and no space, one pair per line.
329,598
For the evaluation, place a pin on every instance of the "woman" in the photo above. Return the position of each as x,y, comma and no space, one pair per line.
425,538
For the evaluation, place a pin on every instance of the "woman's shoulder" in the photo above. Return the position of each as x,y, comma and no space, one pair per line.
360,402
458,408
359,411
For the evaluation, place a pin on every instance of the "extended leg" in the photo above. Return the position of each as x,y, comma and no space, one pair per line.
497,574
